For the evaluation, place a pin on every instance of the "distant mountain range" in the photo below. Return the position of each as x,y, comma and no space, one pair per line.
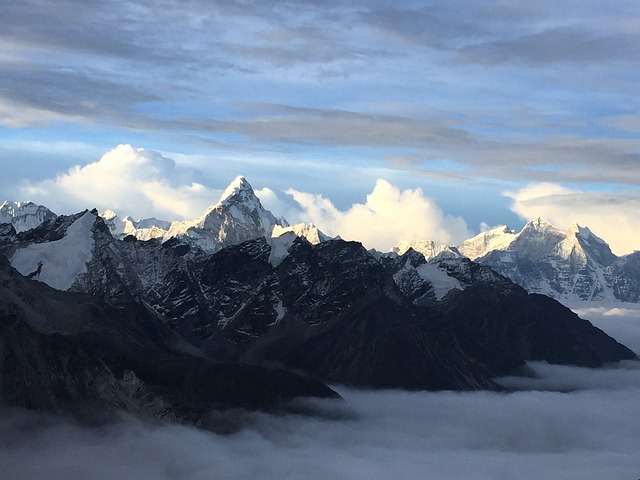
239,309
574,264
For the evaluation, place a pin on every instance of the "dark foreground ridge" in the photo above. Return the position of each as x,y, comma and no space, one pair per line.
69,352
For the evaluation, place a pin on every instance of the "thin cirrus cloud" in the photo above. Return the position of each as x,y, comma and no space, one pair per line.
574,424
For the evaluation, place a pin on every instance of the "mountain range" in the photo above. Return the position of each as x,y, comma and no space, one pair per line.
569,265
239,309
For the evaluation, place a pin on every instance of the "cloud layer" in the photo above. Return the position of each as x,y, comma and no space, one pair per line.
612,216
588,432
489,86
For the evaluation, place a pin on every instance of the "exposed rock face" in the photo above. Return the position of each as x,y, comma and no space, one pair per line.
63,351
237,217
171,329
24,215
497,323
504,329
574,264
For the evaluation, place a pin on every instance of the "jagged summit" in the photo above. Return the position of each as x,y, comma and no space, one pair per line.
429,249
238,216
304,230
497,238
540,223
24,215
239,187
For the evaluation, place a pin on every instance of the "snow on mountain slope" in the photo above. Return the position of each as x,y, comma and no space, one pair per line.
441,281
574,264
427,248
24,215
498,238
237,217
303,230
60,262
280,246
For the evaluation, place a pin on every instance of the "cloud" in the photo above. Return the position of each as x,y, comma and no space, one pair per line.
373,435
137,182
611,216
565,44
296,125
588,433
621,321
388,216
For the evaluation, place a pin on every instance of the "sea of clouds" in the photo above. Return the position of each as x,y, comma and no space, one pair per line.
569,423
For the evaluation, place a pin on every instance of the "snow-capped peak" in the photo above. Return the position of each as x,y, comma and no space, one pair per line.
304,230
239,187
497,238
237,217
540,226
590,244
427,248
24,215
584,233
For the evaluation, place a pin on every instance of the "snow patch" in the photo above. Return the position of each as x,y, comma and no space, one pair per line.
59,263
281,310
442,283
280,247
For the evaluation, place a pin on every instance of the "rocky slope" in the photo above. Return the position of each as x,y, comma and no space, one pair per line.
569,265
24,215
225,315
70,352
331,310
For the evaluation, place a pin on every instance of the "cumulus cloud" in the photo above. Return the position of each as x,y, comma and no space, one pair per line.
134,181
388,216
611,216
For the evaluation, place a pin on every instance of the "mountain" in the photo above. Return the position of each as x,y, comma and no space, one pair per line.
237,217
574,264
495,321
429,249
331,310
144,229
225,315
303,230
24,215
72,353
498,238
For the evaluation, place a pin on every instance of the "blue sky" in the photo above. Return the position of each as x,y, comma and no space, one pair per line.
498,111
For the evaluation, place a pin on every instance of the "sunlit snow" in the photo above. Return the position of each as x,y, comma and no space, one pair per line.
62,260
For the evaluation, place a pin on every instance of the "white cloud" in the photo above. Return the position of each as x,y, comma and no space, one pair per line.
388,216
612,216
131,181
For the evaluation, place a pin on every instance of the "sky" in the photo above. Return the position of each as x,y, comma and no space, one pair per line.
570,423
439,118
